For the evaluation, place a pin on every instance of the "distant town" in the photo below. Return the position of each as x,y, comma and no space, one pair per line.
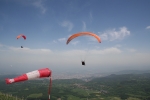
77,76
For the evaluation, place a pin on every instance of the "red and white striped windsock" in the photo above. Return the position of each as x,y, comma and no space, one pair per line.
41,73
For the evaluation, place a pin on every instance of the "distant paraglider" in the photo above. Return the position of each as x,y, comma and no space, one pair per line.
83,34
41,73
23,36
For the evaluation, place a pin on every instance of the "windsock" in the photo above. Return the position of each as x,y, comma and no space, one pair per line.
41,73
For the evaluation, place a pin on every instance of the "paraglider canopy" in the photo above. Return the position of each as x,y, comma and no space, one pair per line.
83,34
23,36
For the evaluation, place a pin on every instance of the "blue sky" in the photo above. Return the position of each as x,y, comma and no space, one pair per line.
123,26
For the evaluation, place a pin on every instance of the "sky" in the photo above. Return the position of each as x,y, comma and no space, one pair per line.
122,25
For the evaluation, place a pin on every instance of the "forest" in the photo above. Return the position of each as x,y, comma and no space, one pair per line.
112,87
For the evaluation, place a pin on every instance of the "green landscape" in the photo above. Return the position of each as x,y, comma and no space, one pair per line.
112,87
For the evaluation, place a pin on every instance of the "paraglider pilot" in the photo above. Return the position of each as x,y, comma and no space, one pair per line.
83,62
21,46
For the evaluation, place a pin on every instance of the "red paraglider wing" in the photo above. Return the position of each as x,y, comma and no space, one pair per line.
24,37
82,34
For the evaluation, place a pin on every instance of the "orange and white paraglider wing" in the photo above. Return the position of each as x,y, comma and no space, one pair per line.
83,34
41,73
18,36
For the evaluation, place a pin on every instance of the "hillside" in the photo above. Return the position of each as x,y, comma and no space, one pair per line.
8,97
112,87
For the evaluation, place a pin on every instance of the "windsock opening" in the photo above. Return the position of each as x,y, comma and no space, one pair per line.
9,81
44,72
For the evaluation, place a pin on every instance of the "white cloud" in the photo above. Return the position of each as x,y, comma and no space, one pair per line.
54,41
74,52
104,36
148,27
31,51
67,24
118,45
62,39
131,50
39,4
112,50
74,42
108,58
114,34
59,40
92,39
1,45
84,26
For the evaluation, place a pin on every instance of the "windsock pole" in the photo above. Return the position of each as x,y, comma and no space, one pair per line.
50,86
